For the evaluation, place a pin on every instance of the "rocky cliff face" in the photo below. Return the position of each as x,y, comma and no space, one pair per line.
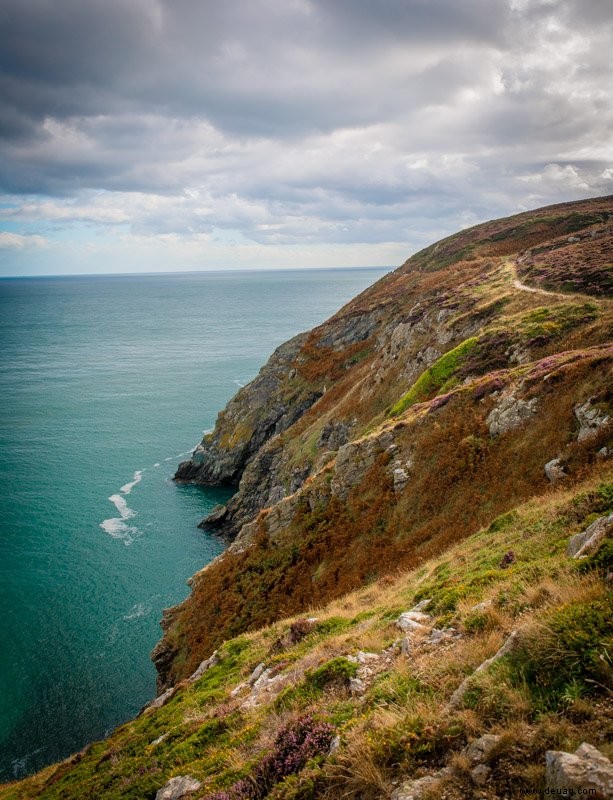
427,405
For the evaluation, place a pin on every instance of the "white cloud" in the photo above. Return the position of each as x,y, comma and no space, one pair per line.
16,241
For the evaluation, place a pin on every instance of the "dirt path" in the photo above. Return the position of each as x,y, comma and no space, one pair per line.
535,290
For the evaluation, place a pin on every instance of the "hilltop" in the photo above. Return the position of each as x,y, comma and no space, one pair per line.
416,596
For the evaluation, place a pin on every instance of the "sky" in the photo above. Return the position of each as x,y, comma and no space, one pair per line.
160,135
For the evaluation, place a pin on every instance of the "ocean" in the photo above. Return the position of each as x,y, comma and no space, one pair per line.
106,383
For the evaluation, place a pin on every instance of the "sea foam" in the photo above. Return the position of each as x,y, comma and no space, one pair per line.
127,487
116,526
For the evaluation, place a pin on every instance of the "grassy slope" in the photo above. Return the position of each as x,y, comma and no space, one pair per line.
548,694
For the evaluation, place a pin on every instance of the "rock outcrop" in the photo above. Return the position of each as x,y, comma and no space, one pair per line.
589,541
586,771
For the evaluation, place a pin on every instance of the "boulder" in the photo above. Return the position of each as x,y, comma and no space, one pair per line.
587,769
511,412
413,622
257,672
441,635
590,419
367,658
554,470
480,608
589,541
480,750
177,788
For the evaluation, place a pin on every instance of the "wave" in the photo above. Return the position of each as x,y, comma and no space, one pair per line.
182,455
127,487
116,526
137,610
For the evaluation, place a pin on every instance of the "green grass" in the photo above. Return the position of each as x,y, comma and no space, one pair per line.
436,377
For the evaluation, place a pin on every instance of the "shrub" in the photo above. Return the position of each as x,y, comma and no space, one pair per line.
573,648
337,672
294,747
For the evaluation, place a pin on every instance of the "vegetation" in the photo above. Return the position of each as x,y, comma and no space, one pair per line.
550,692
443,392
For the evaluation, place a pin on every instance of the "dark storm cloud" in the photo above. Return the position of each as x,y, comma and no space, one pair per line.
301,120
250,66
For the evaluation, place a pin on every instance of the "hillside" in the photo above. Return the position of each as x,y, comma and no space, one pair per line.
418,413
416,597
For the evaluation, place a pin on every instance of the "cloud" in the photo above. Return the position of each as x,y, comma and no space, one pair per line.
305,122
16,241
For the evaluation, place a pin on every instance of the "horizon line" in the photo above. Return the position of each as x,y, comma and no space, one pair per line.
192,272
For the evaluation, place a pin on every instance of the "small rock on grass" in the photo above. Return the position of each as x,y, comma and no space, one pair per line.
178,788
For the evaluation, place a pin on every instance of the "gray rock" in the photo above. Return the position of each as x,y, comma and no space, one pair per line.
216,517
367,658
265,689
357,686
257,672
511,412
177,788
413,621
480,750
353,461
333,435
589,541
440,635
586,769
416,789
205,665
554,470
334,745
480,774
590,419
159,701
422,605
508,647
401,478
480,608
406,646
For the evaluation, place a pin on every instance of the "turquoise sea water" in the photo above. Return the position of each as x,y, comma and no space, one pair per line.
105,384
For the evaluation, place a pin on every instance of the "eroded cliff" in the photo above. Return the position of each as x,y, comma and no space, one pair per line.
425,407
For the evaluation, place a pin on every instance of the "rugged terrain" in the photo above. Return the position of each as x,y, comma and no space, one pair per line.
421,410
416,600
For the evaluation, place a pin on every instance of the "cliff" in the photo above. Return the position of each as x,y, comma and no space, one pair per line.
416,597
421,410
